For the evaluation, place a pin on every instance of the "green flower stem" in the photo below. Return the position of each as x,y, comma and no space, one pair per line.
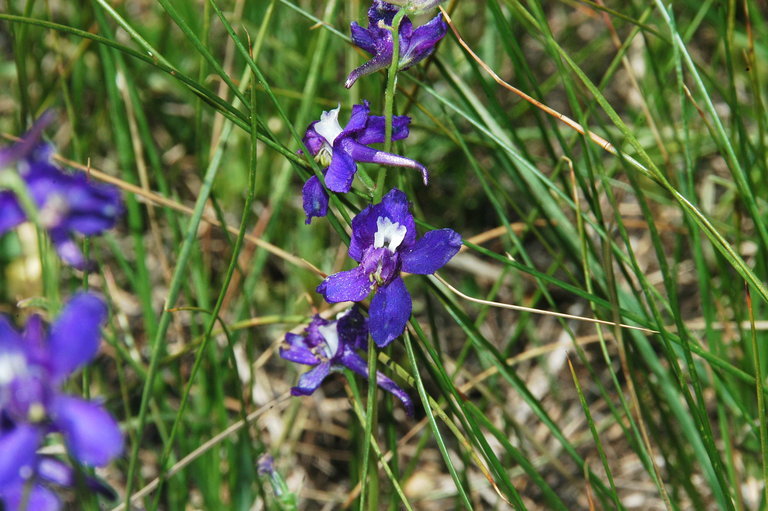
389,100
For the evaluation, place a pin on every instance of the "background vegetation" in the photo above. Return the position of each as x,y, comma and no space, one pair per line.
657,220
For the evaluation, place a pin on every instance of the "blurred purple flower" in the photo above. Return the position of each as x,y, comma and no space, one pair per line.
331,345
415,44
33,366
384,243
67,203
340,149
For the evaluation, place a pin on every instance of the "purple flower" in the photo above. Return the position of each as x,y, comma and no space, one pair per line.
331,345
33,366
340,149
46,471
66,203
384,243
415,44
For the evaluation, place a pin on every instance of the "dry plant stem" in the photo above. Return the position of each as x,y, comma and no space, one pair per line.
539,311
554,113
205,447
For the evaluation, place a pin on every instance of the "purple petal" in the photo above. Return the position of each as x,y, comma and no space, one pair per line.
357,120
309,381
28,143
68,250
355,362
382,58
40,498
10,340
353,329
342,169
93,208
35,341
392,387
92,435
11,213
346,286
375,129
18,450
365,154
422,42
362,37
431,252
52,470
389,312
297,350
76,334
315,199
313,140
363,231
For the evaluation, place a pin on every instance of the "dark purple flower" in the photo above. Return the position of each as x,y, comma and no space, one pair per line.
415,44
384,243
339,150
331,345
33,366
66,203
45,472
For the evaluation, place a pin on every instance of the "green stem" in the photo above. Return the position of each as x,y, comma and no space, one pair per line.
370,420
389,100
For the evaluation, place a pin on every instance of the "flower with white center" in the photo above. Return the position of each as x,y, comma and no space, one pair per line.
388,233
384,243
332,345
339,150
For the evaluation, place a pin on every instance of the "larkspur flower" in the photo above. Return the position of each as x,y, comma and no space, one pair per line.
331,345
339,150
384,243
415,44
33,366
35,492
66,203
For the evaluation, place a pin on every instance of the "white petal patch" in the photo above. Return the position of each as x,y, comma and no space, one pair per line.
388,233
12,365
331,335
328,126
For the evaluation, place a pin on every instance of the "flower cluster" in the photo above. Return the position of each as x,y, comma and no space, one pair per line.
63,203
384,238
33,366
35,363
